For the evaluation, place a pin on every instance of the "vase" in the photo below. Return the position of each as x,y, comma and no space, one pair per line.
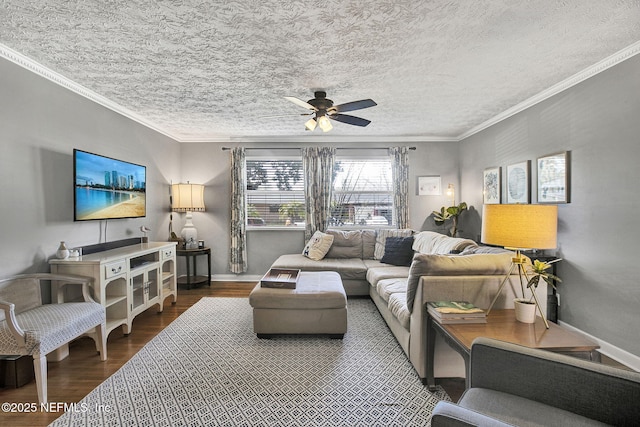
62,252
525,310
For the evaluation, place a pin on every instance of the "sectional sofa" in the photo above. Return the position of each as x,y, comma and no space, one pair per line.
402,270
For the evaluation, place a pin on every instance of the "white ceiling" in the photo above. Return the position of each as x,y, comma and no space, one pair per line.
201,70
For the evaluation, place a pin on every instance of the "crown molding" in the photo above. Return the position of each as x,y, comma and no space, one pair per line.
42,71
321,139
616,58
39,69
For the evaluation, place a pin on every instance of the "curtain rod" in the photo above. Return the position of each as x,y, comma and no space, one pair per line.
300,148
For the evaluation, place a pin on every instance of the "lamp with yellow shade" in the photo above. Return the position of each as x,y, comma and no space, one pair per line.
519,227
188,198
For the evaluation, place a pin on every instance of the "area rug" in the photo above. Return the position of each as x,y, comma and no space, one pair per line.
207,368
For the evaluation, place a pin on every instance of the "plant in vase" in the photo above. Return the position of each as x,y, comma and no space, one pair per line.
452,212
538,270
526,308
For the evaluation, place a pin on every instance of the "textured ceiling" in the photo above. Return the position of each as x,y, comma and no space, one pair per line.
215,70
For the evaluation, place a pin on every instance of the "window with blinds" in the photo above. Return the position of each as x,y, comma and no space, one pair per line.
362,193
275,193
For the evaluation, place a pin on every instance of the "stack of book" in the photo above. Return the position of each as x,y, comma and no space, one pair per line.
448,312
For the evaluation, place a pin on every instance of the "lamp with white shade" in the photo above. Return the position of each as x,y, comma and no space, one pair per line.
188,198
519,227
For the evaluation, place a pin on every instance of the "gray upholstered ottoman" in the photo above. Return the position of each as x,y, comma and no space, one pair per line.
318,305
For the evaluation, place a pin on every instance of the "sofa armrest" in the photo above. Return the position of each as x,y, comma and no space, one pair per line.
447,414
477,289
586,388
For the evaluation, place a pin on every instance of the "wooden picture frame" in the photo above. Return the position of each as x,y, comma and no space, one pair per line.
491,185
429,185
553,178
518,188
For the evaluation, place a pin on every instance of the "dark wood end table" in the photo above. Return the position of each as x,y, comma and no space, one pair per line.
191,280
502,325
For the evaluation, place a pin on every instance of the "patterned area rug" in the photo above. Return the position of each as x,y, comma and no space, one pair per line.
207,368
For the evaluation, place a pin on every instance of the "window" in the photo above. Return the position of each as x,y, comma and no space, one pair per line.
275,193
362,193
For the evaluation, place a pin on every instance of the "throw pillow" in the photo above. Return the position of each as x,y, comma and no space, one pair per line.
318,246
381,237
398,251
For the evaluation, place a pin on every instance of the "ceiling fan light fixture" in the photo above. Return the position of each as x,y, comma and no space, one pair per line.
310,124
324,124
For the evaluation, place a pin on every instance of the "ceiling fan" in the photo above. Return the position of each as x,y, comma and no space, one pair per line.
323,110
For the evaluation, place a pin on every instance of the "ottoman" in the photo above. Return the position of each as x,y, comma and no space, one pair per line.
318,305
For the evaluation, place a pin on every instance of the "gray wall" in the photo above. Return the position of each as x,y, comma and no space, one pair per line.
40,125
206,163
598,121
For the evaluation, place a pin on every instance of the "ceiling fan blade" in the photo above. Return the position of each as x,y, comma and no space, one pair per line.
351,120
275,116
301,103
355,105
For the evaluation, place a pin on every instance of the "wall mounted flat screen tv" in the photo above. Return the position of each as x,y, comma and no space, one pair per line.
106,188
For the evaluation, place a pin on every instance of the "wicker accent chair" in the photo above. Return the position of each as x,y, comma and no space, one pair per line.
29,327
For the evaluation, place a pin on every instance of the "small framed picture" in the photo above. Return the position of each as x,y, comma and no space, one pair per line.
491,188
553,178
518,182
429,186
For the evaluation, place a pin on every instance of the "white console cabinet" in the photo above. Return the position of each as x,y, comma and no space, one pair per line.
126,280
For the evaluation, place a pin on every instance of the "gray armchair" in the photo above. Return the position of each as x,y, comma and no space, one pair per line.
515,385
29,327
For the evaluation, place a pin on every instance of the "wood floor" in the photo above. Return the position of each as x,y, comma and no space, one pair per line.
82,371
73,378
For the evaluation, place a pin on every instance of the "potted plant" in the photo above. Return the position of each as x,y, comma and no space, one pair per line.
452,212
526,308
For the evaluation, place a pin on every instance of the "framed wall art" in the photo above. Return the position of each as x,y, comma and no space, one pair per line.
518,182
429,185
553,178
491,188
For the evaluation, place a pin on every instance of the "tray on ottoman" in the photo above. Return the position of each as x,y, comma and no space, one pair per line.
280,278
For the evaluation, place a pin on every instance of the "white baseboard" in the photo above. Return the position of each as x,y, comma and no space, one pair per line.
609,350
235,278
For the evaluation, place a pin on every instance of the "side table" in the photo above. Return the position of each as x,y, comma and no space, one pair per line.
502,325
193,279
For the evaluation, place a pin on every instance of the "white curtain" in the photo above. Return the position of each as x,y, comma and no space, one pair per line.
400,171
238,244
317,164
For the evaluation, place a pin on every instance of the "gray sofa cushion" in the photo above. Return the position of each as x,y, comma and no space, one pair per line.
454,265
346,244
398,307
387,287
368,244
348,268
378,271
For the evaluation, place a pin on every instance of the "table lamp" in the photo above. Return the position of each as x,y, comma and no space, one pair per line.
188,198
518,227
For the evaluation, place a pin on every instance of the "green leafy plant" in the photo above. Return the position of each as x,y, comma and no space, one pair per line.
452,213
539,270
